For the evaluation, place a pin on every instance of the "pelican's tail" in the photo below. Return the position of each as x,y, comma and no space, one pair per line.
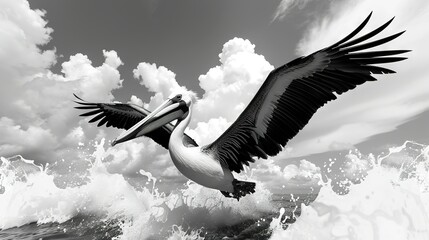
241,188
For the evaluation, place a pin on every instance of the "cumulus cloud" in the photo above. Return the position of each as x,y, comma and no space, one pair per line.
25,140
136,100
303,174
160,81
43,104
306,171
94,83
22,31
205,132
128,158
37,119
75,136
229,87
375,107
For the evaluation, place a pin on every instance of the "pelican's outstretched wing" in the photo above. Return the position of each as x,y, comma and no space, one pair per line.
292,93
125,115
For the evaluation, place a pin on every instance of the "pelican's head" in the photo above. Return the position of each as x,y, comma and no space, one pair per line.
175,107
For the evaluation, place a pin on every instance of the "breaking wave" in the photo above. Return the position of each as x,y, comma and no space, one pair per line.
28,194
383,197
387,198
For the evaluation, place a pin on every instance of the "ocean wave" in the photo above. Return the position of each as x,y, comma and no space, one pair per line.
390,200
383,197
29,195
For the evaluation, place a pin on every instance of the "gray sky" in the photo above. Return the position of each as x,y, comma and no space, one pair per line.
220,50
185,36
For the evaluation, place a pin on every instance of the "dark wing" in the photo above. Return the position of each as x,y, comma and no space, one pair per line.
292,93
124,115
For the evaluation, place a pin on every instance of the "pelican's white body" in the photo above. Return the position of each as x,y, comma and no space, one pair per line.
196,165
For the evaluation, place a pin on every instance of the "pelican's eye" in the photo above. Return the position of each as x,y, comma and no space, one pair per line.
177,98
183,106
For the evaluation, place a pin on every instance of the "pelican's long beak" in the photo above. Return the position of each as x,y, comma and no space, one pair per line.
165,113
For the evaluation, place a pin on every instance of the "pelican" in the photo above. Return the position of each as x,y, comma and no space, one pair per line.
283,105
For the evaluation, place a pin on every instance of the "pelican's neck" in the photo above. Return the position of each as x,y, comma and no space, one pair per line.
176,137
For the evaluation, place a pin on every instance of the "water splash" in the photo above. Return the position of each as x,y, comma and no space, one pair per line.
178,233
390,201
386,197
29,194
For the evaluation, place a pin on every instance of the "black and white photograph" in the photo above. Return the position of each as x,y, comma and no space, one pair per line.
227,119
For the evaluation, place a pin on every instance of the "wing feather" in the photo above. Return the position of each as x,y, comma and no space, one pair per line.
292,93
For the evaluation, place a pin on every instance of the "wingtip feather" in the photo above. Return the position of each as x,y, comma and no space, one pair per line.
76,96
352,34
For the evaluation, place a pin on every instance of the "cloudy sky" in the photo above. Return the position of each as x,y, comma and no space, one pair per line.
218,51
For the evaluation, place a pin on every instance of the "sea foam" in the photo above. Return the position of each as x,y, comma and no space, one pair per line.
28,194
391,201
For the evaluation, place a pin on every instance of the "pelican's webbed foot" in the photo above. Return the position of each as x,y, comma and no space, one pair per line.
241,189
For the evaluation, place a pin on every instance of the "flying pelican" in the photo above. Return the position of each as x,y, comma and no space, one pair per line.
283,105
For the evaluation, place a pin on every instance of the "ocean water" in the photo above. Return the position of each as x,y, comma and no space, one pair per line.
384,197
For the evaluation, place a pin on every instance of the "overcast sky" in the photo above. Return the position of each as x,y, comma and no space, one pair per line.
218,51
